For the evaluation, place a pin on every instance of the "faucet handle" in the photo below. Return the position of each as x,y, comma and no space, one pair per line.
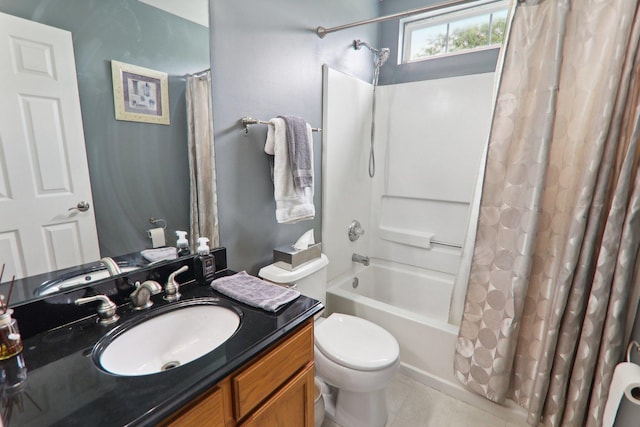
355,230
172,286
106,309
141,296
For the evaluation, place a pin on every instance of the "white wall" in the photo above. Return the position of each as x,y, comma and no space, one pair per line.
431,136
346,186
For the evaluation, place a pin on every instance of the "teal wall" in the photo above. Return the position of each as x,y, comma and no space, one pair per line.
267,60
129,161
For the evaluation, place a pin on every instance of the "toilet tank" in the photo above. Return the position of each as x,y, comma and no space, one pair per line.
310,278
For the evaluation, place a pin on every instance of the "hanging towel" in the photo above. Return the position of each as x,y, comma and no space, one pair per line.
292,204
254,292
299,142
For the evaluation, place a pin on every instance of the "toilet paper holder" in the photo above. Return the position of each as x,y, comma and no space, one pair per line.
632,344
154,221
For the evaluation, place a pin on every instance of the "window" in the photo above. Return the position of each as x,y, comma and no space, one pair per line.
473,26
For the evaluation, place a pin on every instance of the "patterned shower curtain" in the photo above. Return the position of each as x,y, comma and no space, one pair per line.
553,288
202,161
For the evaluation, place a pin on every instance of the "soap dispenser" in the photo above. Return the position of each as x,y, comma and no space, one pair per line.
182,243
13,370
204,262
10,339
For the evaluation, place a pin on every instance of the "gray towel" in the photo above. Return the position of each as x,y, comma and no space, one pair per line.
160,254
254,292
299,151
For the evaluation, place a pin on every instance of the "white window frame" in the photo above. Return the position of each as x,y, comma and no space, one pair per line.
444,16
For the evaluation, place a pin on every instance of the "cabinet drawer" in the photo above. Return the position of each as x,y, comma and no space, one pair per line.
256,383
206,410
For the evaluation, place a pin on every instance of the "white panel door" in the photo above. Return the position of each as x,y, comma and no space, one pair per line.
43,162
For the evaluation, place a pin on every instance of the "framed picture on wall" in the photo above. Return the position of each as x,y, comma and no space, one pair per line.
140,94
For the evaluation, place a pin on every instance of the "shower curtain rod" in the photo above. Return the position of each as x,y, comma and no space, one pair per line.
198,72
322,31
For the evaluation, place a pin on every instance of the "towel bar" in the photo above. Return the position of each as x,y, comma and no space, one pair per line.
248,121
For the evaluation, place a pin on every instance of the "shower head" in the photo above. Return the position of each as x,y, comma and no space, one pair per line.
357,45
381,55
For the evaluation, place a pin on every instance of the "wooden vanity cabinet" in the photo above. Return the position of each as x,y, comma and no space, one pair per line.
291,406
207,410
273,389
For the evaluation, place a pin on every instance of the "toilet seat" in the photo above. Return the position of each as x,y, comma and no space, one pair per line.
356,343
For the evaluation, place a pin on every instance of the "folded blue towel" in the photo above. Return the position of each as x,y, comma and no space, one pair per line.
254,292
300,156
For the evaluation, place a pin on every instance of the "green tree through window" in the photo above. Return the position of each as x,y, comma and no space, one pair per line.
464,38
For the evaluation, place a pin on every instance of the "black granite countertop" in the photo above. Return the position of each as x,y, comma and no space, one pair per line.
65,388
38,286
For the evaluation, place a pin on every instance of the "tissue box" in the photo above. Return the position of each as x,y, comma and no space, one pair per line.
288,258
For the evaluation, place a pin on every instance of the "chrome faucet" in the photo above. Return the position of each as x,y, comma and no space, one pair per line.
141,296
360,258
172,287
112,267
106,309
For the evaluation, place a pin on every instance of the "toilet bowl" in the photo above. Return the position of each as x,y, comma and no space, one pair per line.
354,356
358,358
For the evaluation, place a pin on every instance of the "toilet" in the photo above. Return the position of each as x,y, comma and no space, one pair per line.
355,357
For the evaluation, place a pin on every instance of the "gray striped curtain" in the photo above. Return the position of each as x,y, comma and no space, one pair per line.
202,161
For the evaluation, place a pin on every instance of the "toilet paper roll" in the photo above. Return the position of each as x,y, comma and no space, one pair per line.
625,382
157,237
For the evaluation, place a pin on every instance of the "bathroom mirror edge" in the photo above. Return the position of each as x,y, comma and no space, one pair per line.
126,159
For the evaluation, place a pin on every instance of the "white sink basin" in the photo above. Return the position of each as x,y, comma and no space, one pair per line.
167,340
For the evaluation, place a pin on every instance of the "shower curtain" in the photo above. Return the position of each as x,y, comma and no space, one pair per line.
553,288
202,165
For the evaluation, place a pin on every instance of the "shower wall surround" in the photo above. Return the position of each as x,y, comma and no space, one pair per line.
432,134
346,184
426,170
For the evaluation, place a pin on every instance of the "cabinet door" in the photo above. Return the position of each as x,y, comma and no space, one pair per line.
207,411
291,406
270,371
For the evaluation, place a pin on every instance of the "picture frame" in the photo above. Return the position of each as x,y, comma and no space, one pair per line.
140,94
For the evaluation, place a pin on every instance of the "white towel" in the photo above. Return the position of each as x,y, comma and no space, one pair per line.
292,204
254,292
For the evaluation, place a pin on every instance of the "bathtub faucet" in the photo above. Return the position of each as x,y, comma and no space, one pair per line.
360,258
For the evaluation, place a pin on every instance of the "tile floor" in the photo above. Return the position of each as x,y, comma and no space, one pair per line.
412,404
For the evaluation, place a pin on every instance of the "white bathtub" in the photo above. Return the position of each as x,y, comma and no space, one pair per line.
413,305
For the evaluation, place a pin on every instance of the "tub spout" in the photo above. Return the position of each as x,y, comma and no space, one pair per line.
360,258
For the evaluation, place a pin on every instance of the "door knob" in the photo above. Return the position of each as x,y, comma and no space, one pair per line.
81,206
